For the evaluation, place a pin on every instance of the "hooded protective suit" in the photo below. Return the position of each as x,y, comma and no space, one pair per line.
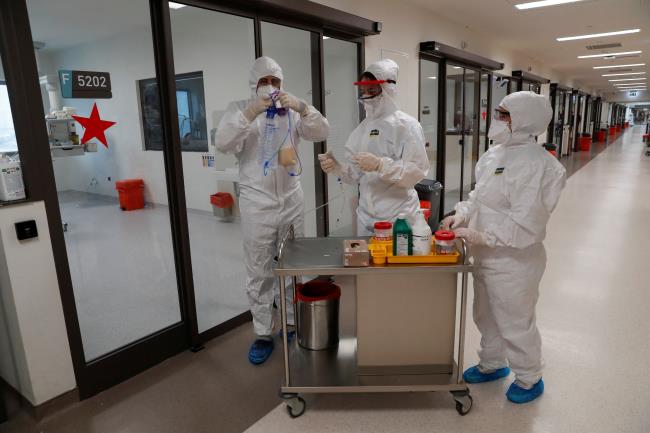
518,184
398,140
269,203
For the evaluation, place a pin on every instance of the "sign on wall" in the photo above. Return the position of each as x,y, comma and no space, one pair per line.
632,94
85,84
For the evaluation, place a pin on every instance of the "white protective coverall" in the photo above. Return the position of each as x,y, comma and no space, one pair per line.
398,140
269,204
518,184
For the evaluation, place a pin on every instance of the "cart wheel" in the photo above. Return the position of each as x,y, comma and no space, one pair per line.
463,402
296,407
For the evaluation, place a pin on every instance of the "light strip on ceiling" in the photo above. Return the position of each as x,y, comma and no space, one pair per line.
173,5
543,3
598,35
625,53
631,87
619,66
626,73
633,90
627,79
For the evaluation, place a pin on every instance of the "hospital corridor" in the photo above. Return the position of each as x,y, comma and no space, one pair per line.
324,216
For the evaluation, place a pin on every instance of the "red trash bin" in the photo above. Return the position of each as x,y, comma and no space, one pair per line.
612,130
601,135
585,143
131,192
618,128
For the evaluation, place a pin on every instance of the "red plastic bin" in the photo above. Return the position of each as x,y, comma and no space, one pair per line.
601,135
585,143
131,192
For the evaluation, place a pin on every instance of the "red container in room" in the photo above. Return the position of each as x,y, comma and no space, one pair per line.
612,130
222,200
131,192
619,128
585,143
601,135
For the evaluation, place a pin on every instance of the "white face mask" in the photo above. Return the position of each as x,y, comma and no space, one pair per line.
266,90
371,105
499,131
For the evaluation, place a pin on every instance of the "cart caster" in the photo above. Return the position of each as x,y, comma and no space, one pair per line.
296,406
463,402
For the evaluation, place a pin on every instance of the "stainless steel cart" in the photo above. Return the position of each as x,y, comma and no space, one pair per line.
336,371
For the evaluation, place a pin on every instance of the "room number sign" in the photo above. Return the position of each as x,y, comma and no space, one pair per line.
85,84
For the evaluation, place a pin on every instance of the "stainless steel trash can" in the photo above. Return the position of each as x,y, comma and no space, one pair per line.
317,315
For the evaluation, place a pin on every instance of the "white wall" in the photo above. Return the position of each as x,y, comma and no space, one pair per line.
34,350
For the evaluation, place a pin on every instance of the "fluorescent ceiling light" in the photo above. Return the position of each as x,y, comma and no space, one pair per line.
173,5
619,66
612,55
597,35
626,73
325,37
632,87
543,3
432,78
633,90
627,79
456,67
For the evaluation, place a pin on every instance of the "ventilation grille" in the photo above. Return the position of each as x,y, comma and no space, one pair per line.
604,46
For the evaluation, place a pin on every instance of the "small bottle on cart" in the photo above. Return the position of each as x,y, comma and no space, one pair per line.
421,235
383,231
402,237
445,243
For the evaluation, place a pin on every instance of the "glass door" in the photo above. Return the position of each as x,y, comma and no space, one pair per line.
429,111
461,132
484,116
341,70
204,89
107,154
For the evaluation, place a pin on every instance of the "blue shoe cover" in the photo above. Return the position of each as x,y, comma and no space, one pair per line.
474,375
519,395
260,351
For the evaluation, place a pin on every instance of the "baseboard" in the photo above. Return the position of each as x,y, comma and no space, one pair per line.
50,407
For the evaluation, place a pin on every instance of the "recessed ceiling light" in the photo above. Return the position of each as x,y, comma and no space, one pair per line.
597,35
543,3
619,66
624,73
173,5
432,78
609,55
627,79
325,37
456,67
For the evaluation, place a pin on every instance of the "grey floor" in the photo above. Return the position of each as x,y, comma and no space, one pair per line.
592,314
122,269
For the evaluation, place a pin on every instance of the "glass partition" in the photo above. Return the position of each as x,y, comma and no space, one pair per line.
429,111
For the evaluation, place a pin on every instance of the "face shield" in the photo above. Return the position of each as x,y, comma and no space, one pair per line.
369,89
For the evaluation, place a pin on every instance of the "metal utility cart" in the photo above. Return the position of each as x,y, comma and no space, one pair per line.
338,370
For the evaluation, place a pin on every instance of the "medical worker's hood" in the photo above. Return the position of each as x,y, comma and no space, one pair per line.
262,67
385,70
530,114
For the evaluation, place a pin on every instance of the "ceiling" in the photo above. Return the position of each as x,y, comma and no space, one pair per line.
532,32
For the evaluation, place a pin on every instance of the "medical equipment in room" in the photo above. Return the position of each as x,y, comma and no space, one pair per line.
11,179
445,242
277,143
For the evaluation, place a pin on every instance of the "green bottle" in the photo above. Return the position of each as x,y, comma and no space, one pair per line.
402,237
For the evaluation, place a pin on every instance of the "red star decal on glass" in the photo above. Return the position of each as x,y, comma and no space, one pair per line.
94,126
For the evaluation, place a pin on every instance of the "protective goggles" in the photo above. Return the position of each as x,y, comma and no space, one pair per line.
264,81
368,89
501,115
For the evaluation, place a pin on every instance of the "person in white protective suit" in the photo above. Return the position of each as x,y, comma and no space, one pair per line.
518,184
385,154
271,199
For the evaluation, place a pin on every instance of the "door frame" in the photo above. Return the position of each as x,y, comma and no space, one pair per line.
16,48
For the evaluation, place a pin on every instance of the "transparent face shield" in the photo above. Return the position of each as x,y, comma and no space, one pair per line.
368,89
